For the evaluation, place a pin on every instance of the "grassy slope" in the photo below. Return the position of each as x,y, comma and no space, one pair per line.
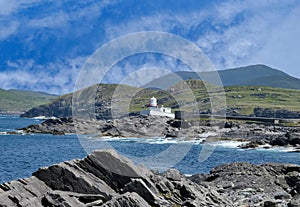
248,98
244,97
17,100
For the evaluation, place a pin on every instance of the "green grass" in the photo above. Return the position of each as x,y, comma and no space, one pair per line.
19,101
247,98
189,96
244,97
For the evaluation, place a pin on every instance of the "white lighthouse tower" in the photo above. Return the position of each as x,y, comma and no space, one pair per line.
153,102
153,109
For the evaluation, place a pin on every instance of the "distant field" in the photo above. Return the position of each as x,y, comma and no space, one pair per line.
19,101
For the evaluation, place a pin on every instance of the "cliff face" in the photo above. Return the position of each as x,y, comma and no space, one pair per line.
106,179
61,107
99,95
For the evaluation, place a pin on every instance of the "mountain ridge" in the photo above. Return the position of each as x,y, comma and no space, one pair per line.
252,75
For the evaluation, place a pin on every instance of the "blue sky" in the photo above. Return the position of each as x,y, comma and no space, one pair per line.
44,43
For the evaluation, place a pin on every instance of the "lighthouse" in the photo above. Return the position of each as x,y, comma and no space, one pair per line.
154,110
153,102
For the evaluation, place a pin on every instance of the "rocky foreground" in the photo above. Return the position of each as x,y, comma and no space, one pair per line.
106,179
151,126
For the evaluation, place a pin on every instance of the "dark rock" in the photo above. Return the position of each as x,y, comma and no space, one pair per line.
153,126
279,141
139,186
269,204
295,202
248,183
282,195
179,124
106,179
127,199
295,141
280,113
198,178
173,174
250,145
228,124
60,107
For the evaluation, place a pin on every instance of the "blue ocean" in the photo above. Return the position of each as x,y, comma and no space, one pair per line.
23,154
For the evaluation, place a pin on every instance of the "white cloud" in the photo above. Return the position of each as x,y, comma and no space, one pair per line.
281,48
59,19
255,37
231,33
7,29
8,7
239,32
56,78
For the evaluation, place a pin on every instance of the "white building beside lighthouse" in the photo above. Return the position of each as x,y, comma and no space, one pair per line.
154,110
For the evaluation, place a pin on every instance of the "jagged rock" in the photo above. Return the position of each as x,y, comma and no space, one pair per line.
269,204
152,126
279,141
140,187
173,174
295,202
127,199
106,179
61,198
69,177
52,126
250,145
179,124
253,184
23,192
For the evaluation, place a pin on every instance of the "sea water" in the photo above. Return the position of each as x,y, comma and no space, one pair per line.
23,154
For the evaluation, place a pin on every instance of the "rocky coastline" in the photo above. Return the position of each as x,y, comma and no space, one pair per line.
255,134
106,179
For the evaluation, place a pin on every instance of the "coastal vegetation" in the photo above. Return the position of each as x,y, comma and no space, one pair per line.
239,99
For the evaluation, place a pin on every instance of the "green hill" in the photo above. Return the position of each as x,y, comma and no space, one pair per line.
20,101
100,98
243,98
254,75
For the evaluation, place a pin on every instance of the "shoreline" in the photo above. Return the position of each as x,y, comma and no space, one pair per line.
253,135
225,143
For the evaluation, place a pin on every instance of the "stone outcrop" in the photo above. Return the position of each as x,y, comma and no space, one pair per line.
106,179
61,107
152,126
273,113
246,184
